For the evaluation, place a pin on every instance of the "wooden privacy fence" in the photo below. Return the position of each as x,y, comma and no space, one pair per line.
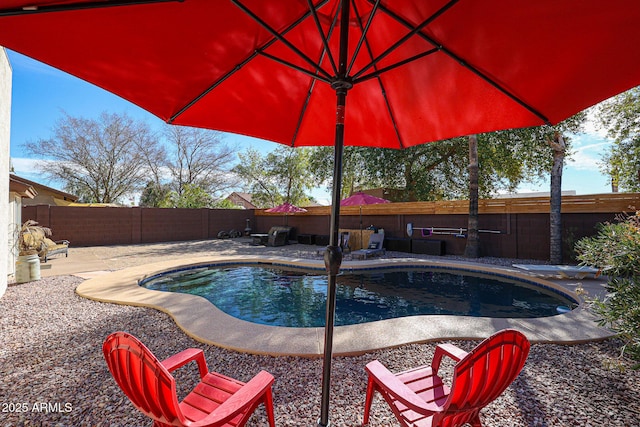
522,223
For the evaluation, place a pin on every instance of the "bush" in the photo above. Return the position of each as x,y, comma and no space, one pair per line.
616,251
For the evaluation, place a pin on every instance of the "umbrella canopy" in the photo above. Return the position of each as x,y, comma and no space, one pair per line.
286,208
426,70
359,199
414,71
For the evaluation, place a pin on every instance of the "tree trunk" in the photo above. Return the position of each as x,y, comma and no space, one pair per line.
555,220
472,250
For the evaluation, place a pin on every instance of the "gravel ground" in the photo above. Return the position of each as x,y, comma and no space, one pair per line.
52,372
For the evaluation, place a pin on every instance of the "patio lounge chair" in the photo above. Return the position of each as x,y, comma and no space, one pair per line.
418,397
49,248
216,401
374,248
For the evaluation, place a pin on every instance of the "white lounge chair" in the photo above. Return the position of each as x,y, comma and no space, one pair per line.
374,248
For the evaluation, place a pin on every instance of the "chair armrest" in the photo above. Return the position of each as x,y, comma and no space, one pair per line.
390,383
189,355
450,350
240,400
63,242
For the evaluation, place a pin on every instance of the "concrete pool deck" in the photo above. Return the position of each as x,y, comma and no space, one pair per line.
112,275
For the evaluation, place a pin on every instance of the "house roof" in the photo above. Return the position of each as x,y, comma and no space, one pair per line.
245,196
22,188
44,188
245,199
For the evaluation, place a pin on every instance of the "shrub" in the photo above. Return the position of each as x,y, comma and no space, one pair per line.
615,249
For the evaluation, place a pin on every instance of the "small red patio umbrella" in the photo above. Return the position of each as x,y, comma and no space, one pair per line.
359,199
413,71
286,208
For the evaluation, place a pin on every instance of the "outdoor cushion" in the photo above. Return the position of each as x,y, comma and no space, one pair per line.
49,248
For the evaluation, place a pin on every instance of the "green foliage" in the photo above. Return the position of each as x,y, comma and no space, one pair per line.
284,175
354,177
620,116
153,195
423,172
192,197
616,250
438,170
225,204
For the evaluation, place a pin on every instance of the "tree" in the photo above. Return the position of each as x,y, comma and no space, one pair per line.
439,170
192,197
353,168
284,175
225,204
472,249
423,172
540,158
555,219
154,194
198,157
620,116
101,159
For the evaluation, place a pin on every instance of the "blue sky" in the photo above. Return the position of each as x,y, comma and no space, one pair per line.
41,94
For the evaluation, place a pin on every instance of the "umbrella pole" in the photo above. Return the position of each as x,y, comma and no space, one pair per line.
361,242
333,254
332,262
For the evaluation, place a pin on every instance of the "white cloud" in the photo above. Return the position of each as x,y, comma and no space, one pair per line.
587,157
588,147
591,127
30,169
23,165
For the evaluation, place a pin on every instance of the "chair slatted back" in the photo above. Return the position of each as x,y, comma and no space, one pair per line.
344,240
483,375
149,386
376,239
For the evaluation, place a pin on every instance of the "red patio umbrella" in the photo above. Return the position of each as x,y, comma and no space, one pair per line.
286,208
359,199
414,71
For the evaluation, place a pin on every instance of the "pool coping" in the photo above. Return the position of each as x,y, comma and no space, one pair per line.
204,322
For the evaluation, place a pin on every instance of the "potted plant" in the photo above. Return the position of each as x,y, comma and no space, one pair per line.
30,242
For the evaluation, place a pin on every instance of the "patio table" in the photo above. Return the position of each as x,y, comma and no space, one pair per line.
260,239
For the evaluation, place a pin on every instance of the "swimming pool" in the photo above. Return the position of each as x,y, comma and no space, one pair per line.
293,297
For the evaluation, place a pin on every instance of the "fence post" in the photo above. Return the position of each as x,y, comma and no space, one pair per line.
43,215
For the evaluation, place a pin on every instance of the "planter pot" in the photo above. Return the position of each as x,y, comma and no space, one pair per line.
27,268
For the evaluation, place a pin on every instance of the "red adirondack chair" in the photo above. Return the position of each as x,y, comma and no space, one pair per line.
419,398
216,401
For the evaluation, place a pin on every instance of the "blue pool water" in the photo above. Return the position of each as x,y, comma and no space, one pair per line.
297,298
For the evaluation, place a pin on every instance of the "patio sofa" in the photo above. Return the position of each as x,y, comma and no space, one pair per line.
50,248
